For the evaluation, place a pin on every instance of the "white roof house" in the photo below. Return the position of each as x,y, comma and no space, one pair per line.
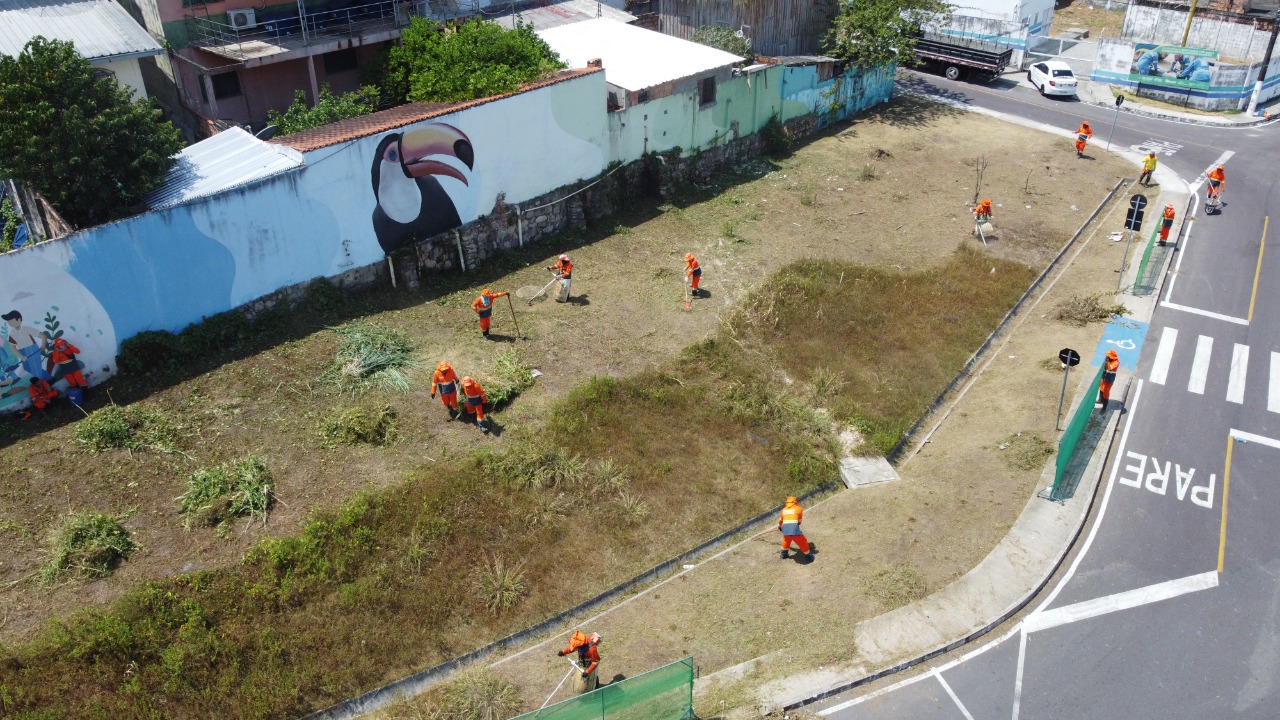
103,32
225,161
634,58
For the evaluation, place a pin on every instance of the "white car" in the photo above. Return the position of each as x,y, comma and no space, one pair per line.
1052,77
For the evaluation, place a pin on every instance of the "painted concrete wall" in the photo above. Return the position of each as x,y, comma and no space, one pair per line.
1034,14
834,99
1006,33
1232,40
1231,88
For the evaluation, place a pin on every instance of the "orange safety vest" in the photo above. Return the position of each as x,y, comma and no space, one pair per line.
789,522
483,305
692,268
1083,132
445,381
474,393
1109,372
1217,177
564,267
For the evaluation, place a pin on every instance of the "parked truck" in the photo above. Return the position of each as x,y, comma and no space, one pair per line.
957,57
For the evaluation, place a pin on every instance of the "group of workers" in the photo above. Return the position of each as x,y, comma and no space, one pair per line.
444,381
42,393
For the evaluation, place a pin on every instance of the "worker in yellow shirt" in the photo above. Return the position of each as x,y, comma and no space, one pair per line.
1148,167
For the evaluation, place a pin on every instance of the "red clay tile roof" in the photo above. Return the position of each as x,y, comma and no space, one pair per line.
384,120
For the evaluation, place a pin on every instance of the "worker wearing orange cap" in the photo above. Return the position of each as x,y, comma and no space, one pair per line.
445,381
474,398
483,306
692,272
1217,180
1109,370
981,215
789,524
41,393
64,356
1083,133
588,656
1166,223
563,268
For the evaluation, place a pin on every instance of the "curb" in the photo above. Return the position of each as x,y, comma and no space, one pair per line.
1207,122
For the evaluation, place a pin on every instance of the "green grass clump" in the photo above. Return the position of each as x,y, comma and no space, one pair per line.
501,585
87,543
512,376
356,425
370,356
133,427
218,494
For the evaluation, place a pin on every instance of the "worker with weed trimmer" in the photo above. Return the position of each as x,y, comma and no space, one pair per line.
445,381
981,216
789,524
588,658
564,271
483,306
474,399
692,273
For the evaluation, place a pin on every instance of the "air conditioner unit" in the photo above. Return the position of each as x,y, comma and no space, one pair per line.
242,19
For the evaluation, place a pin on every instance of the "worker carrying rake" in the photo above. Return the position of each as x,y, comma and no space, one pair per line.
483,306
445,381
789,524
692,273
588,658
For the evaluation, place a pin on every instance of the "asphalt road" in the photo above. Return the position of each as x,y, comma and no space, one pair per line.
1171,606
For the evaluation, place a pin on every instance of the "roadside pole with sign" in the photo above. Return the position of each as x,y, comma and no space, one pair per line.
1070,358
1119,102
1132,223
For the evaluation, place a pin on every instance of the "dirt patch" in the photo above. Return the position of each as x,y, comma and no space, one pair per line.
1101,21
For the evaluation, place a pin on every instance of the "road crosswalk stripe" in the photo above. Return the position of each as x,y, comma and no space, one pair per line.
1273,394
1164,355
1200,366
1239,365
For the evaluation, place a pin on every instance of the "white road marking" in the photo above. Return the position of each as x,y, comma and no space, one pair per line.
1017,678
1200,366
1273,395
1186,238
1206,313
963,710
1222,160
1239,367
1250,437
1164,355
1120,601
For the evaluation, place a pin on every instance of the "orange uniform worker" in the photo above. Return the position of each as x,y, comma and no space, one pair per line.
1083,133
64,356
692,272
1111,365
445,381
474,398
483,306
563,270
981,215
588,656
41,392
789,524
1166,223
1217,180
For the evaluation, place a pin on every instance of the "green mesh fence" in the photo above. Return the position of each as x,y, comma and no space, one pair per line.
662,694
1071,436
1152,261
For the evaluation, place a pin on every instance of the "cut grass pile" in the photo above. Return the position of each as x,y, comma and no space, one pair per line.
87,544
219,494
512,376
371,356
357,425
1080,310
133,427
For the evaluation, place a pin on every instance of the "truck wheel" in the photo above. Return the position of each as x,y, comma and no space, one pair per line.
953,72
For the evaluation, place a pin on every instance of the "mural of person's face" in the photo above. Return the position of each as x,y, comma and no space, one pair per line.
15,322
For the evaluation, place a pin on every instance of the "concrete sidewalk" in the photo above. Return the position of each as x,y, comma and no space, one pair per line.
1100,94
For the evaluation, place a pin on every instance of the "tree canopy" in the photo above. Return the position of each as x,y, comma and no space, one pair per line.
722,38
475,59
81,140
873,33
300,115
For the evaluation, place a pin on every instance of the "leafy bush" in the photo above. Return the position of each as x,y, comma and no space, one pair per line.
323,297
532,465
149,351
371,355
91,544
330,108
133,427
162,351
775,137
501,586
9,218
218,494
722,38
355,425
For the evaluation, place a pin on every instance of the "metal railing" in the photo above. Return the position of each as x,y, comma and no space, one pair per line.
303,27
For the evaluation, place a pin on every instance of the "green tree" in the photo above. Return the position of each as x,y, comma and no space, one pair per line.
874,33
301,116
722,38
82,141
435,63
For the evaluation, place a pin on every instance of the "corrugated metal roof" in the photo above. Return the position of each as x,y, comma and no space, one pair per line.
634,58
543,14
100,29
227,160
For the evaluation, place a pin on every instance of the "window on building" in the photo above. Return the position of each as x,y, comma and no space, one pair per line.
707,91
225,85
340,61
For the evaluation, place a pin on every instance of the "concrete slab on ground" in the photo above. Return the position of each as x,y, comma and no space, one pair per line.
861,471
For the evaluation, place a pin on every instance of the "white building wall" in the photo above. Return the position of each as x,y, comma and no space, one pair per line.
128,75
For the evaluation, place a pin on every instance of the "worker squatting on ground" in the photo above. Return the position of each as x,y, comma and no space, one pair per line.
789,524
474,399
981,215
1083,133
483,306
1148,167
1110,366
692,273
563,270
41,393
1217,178
445,381
1166,223
588,657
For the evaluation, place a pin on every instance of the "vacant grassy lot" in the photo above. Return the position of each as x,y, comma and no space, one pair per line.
381,558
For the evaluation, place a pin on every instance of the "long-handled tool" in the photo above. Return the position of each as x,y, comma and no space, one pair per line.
513,318
544,289
688,295
572,667
980,233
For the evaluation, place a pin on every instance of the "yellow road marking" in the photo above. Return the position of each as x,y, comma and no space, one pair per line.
1226,483
1258,272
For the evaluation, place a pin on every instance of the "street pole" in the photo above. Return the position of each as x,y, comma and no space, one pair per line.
1262,71
1124,260
1119,102
1057,419
1190,15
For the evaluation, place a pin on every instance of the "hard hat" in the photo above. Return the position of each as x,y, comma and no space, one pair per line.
1222,167
1085,123
467,380
443,365
1170,206
593,639
1151,154
688,256
791,498
486,291
564,258
1112,354
58,343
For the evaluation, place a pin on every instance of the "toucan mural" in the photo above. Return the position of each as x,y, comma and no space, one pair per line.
411,202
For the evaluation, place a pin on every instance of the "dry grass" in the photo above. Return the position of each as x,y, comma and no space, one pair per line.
1025,451
1080,310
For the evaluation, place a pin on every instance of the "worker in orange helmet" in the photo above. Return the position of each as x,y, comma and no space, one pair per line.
789,524
563,269
1110,367
483,306
588,656
64,356
692,272
41,393
474,398
1166,223
981,215
1217,180
1083,133
445,381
